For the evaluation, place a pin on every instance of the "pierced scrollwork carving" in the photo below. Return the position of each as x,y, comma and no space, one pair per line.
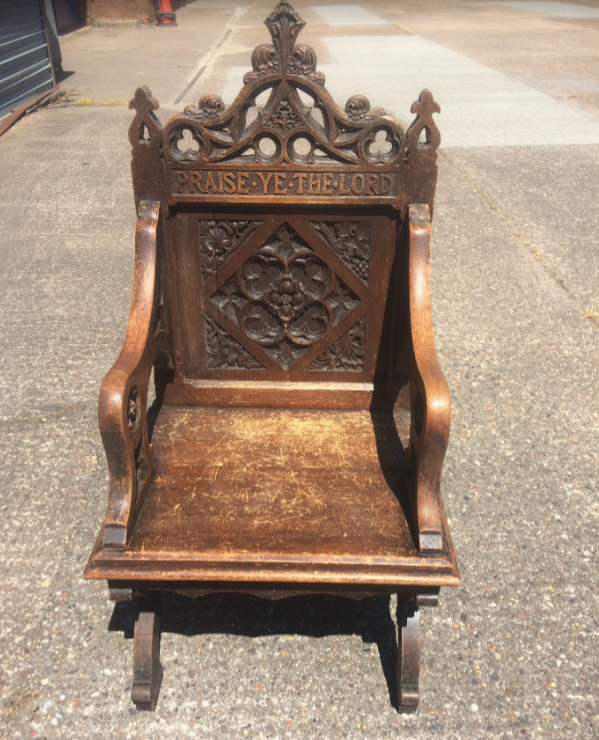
224,352
289,71
347,353
382,145
185,143
358,108
285,297
218,241
351,240
209,107
265,60
284,118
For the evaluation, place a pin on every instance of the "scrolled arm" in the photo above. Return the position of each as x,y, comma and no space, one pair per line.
430,400
123,397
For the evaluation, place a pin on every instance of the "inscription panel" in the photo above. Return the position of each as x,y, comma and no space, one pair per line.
295,185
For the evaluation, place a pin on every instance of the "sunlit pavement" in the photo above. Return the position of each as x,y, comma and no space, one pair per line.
516,311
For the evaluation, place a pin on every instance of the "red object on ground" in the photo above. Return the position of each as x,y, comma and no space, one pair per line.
166,15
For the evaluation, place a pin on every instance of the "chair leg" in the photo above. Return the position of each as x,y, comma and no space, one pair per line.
407,670
147,671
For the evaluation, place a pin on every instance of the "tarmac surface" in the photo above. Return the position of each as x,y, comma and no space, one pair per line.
510,654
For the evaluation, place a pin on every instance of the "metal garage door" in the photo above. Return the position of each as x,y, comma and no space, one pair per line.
25,69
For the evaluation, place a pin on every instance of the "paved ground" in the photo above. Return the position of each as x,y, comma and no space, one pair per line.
515,267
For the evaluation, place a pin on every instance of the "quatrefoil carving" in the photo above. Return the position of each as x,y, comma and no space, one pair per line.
285,286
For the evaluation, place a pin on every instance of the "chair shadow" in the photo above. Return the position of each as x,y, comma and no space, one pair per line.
315,615
392,458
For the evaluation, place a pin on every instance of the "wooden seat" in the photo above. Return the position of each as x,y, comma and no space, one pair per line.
282,302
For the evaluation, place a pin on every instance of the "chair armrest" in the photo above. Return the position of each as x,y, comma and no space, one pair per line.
430,401
123,397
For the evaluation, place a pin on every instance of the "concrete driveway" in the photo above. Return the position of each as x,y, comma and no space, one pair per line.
513,653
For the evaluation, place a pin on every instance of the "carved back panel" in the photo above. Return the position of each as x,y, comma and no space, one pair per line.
282,220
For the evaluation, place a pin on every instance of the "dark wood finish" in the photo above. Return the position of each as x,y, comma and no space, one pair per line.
282,298
147,670
408,654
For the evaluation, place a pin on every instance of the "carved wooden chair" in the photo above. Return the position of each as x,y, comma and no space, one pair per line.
282,301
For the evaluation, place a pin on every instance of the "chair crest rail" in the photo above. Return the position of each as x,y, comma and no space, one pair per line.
298,146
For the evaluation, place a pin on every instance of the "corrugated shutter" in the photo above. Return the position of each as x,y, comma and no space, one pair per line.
25,69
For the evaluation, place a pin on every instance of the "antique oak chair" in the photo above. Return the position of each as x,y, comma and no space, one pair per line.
282,301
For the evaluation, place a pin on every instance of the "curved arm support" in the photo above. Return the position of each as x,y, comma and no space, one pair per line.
430,402
123,397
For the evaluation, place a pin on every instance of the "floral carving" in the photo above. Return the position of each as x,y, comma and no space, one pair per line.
284,25
347,353
284,118
210,106
341,300
302,61
229,299
285,284
285,297
218,240
224,352
358,107
351,240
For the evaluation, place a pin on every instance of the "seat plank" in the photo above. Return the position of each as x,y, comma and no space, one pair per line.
270,480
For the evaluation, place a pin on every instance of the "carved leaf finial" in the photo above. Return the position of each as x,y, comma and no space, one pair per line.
145,129
424,108
282,56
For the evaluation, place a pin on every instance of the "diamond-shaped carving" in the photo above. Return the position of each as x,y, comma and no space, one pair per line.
285,297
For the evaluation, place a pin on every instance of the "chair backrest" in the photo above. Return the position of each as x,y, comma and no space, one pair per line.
285,267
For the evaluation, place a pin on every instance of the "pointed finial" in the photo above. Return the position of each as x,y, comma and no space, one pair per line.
424,108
